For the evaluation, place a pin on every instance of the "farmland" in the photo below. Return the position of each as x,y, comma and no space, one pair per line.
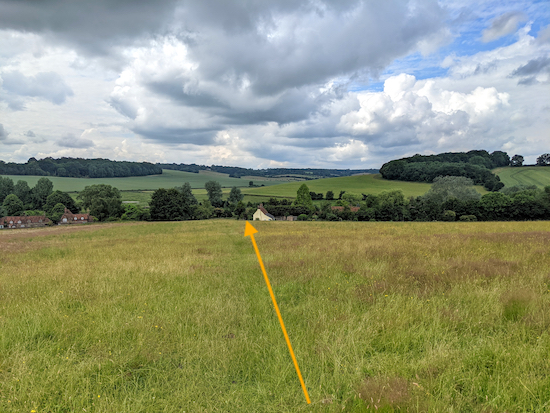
525,175
172,317
168,179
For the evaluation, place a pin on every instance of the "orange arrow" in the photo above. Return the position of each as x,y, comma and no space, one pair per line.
250,230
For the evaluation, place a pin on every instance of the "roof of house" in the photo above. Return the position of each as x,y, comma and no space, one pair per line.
32,219
341,208
69,214
261,208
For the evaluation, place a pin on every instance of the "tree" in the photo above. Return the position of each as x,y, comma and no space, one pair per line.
235,195
103,201
517,160
341,194
12,205
544,159
447,187
133,212
251,183
303,197
56,212
214,190
6,187
329,196
41,191
188,198
167,205
204,211
59,197
23,192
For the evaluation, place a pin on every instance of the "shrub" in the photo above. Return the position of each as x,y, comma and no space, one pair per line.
302,217
468,218
448,216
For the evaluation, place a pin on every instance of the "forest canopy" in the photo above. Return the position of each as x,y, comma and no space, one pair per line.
80,168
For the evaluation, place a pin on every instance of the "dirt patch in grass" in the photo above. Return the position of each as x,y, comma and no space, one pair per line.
389,394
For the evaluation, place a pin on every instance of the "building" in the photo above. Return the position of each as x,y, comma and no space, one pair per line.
32,221
262,215
69,218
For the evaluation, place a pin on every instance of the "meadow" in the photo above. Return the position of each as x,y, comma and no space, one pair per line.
525,175
168,179
357,184
176,317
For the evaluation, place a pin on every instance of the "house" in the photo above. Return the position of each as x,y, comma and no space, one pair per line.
262,215
69,218
32,221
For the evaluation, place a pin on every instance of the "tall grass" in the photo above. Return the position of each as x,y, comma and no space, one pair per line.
172,317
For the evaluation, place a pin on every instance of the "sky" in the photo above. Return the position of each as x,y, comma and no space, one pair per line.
273,83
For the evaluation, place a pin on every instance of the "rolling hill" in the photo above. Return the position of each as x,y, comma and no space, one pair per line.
524,175
357,184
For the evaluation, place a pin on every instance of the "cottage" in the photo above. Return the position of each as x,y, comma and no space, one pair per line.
69,218
32,221
262,215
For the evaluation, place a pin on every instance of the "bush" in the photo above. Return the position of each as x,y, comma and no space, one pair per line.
468,218
448,216
302,217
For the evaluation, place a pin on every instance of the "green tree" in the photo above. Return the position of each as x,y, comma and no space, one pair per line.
167,205
517,160
214,190
204,210
59,197
188,198
41,191
303,197
544,159
103,201
447,187
329,196
23,192
235,195
13,205
133,212
6,187
56,212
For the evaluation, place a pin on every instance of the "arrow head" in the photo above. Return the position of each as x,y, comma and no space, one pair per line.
249,229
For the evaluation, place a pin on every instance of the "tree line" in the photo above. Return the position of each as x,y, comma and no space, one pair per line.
79,168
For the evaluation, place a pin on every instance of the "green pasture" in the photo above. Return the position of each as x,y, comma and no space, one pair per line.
175,317
168,179
524,175
358,184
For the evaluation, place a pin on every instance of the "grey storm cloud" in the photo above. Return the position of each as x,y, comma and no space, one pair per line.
45,85
92,26
71,141
503,25
532,67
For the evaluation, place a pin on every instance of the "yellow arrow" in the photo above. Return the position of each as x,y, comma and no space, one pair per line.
250,230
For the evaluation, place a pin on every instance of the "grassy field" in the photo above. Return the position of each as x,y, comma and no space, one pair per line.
368,184
168,179
174,317
525,175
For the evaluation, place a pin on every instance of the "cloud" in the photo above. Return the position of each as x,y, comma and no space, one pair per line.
30,134
533,67
4,137
71,141
46,85
3,133
503,25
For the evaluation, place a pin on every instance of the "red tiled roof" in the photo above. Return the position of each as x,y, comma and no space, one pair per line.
261,208
33,219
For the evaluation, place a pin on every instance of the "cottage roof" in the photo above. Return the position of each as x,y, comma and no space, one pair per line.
32,219
261,208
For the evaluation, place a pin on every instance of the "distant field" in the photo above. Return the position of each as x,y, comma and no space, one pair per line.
367,184
168,179
525,175
175,317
